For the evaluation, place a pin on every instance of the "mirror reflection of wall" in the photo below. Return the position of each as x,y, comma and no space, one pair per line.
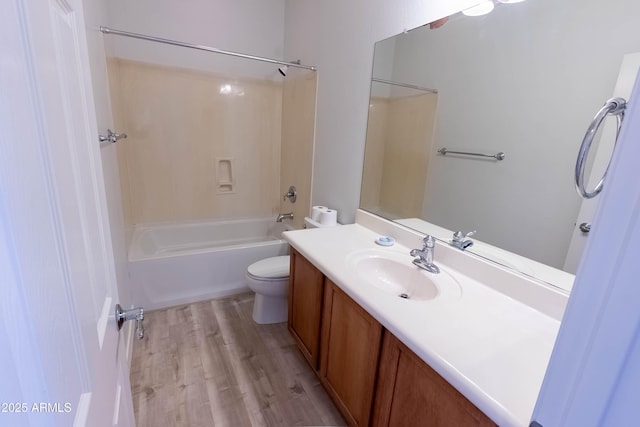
526,80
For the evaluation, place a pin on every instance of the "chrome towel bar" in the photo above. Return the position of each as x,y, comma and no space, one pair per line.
497,156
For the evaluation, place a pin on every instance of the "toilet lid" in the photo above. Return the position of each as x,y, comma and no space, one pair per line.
270,268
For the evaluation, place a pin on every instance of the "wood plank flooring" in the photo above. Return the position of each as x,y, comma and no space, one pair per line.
209,364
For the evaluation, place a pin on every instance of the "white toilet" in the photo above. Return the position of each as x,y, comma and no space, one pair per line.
269,279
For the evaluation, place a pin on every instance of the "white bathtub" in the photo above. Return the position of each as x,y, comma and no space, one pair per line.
172,264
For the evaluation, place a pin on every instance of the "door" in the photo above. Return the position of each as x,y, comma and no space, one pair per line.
408,389
349,354
306,285
593,375
628,70
60,347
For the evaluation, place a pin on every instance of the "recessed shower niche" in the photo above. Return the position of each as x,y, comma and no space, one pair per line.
224,175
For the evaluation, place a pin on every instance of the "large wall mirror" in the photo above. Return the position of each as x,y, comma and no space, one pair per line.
525,80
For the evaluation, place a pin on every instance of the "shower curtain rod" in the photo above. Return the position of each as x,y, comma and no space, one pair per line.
391,82
107,30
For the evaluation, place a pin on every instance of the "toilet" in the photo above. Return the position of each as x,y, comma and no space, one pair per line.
269,279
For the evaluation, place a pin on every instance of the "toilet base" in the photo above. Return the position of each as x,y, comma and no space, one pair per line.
269,309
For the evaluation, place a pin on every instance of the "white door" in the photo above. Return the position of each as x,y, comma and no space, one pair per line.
60,356
624,85
593,376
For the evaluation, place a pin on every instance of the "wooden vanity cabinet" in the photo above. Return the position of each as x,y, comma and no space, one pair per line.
306,287
410,393
371,376
350,349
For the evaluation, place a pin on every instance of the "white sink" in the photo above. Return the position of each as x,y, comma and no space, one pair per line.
393,273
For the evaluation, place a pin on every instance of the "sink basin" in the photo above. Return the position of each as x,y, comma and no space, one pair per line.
394,274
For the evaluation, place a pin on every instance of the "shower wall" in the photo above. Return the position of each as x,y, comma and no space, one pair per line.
164,181
201,145
298,126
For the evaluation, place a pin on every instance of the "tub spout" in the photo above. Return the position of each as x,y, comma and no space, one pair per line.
284,216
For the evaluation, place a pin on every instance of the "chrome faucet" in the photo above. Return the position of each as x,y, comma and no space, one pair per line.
284,216
424,256
461,240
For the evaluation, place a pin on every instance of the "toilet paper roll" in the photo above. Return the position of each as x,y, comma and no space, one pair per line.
328,217
316,211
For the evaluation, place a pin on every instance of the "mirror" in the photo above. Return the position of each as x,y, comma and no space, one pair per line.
525,80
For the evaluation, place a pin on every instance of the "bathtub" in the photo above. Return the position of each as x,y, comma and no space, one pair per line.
172,264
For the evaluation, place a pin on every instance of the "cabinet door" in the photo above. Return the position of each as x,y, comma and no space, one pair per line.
349,356
409,393
305,306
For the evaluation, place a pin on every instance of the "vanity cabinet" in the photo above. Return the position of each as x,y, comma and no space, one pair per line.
372,377
409,392
306,287
350,349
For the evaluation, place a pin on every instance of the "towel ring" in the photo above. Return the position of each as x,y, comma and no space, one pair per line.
615,107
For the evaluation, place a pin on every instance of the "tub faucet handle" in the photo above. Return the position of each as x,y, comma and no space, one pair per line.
292,194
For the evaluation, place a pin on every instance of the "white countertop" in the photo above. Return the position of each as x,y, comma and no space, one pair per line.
490,346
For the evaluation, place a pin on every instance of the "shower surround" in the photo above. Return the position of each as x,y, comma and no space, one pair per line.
207,156
182,126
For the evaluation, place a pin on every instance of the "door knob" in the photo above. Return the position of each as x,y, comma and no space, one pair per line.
136,314
585,227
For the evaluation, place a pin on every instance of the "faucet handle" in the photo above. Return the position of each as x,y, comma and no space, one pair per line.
459,236
291,194
428,241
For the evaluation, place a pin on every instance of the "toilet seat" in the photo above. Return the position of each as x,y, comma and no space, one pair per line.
269,269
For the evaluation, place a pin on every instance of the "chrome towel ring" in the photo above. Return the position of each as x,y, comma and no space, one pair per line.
615,107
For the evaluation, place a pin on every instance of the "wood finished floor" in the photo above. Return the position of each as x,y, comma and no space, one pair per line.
209,364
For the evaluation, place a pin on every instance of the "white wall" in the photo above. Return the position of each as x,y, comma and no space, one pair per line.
338,37
383,68
254,27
